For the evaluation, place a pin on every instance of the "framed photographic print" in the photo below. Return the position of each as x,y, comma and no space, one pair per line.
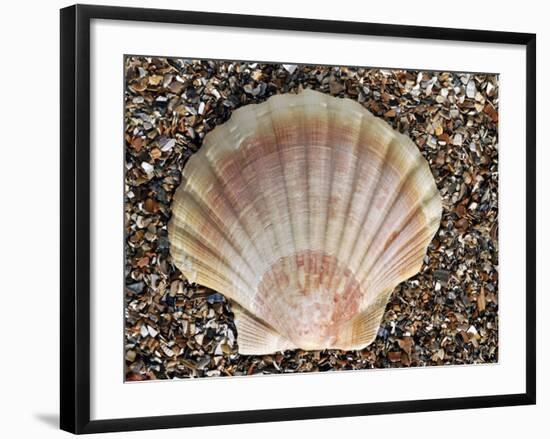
319,218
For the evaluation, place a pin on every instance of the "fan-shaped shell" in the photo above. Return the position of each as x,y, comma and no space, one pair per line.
306,210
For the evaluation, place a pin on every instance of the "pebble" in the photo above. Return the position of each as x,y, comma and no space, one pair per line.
471,89
290,68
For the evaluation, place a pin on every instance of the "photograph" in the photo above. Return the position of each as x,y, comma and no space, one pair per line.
287,218
274,220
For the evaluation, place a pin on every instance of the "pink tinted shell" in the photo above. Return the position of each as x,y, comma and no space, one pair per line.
306,211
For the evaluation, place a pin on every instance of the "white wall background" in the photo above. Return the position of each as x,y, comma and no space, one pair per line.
29,206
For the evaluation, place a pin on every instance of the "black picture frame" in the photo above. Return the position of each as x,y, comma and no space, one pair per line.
75,217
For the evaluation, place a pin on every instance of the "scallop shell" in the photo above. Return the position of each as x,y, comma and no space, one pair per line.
307,211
